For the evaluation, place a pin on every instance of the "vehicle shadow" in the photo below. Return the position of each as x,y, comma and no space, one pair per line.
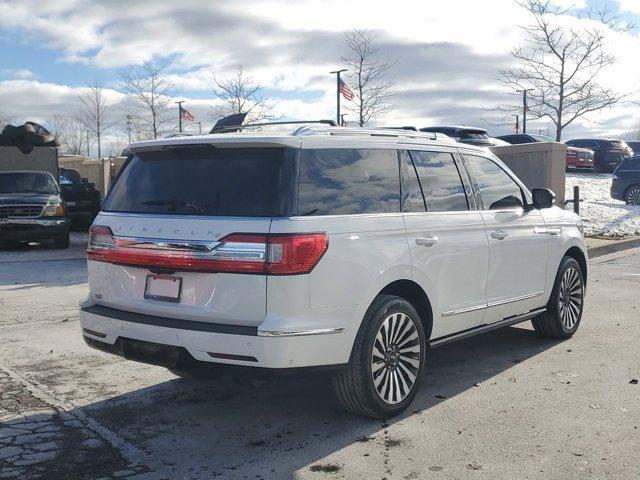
277,428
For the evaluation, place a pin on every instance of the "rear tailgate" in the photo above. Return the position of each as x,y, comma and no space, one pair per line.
216,297
169,213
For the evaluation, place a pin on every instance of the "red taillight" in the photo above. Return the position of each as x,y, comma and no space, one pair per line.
278,254
295,254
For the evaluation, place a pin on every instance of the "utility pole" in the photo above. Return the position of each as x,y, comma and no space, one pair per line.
180,115
88,155
199,127
129,128
342,115
524,108
337,73
517,123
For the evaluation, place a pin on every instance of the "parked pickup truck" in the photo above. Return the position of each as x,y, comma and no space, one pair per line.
31,209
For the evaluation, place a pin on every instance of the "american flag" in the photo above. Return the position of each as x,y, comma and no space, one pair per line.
185,115
345,90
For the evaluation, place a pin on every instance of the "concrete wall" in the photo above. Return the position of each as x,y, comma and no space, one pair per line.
538,165
40,158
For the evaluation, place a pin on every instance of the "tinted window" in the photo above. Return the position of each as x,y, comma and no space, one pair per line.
440,181
348,181
204,181
412,200
27,182
492,182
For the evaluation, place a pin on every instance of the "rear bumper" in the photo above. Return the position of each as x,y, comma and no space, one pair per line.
106,328
32,229
617,190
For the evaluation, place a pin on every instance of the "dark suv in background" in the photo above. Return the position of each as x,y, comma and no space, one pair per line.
575,157
625,185
82,199
609,153
465,134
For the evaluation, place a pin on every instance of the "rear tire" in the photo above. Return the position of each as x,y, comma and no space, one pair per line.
564,310
387,360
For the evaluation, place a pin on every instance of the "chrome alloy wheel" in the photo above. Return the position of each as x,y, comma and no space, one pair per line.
570,298
395,359
633,196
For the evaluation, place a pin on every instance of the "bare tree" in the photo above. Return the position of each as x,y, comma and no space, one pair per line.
633,133
72,135
95,113
152,94
239,94
372,92
5,120
561,65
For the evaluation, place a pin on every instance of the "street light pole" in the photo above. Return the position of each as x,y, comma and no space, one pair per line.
338,72
180,115
524,108
200,127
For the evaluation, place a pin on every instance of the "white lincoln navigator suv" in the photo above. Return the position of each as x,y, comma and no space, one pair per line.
325,248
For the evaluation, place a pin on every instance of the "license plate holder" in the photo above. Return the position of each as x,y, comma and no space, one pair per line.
164,288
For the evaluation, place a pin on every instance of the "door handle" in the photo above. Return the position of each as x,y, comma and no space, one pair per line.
427,241
554,231
499,234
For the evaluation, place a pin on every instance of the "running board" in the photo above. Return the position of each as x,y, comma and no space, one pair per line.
438,342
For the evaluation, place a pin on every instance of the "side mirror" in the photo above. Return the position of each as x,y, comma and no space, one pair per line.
543,198
510,201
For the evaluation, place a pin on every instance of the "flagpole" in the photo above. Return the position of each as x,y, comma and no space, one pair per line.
180,115
338,72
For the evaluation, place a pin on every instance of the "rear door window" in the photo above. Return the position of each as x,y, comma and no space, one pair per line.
348,181
440,181
206,181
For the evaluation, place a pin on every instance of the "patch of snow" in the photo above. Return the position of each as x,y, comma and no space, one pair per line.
601,214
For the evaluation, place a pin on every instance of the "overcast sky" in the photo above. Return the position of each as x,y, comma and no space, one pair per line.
448,54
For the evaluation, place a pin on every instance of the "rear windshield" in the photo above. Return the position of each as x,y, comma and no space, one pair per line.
205,181
474,135
27,182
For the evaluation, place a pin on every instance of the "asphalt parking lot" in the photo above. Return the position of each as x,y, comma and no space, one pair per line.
504,405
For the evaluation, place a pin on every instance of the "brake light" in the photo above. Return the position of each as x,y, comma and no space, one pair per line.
296,253
277,254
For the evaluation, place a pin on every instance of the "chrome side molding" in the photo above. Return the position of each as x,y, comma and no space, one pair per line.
298,333
491,304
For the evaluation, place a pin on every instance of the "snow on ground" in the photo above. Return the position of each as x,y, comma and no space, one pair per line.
601,214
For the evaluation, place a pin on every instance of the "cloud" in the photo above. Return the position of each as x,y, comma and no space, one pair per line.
447,56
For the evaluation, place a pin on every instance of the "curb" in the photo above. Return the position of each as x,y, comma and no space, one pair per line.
613,247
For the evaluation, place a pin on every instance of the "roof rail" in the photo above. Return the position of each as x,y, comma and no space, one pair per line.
227,128
397,133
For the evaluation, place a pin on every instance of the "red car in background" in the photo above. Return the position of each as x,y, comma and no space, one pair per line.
576,157
580,158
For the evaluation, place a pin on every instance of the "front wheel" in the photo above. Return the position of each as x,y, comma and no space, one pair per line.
632,197
387,360
564,310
